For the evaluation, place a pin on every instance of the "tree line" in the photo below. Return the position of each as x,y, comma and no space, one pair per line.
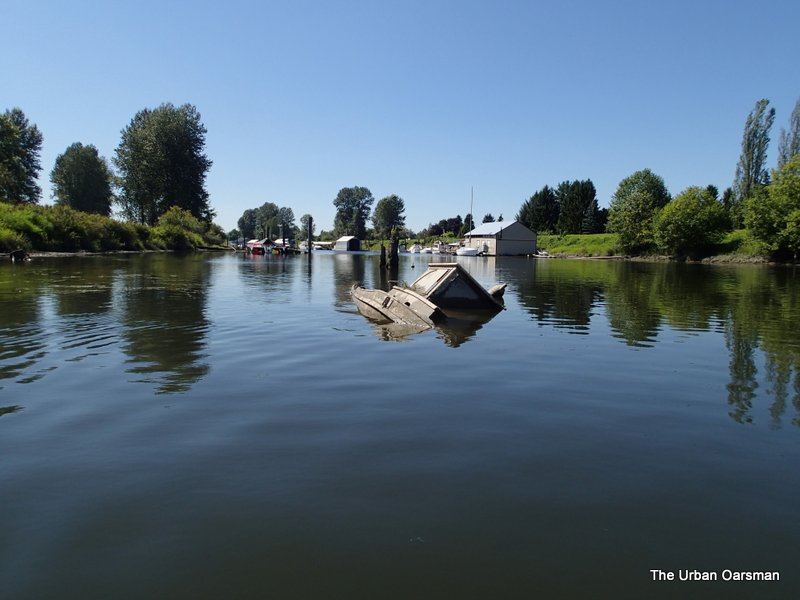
353,213
647,218
160,163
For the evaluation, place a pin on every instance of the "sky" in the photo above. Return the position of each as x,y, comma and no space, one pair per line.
431,100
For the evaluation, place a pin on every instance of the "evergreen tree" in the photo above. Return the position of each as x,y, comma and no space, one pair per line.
591,218
540,212
574,198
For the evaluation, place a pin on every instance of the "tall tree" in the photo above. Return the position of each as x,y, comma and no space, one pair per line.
540,211
20,145
751,172
574,197
162,163
388,215
82,180
789,143
286,224
488,218
633,207
267,220
591,218
247,224
353,206
306,227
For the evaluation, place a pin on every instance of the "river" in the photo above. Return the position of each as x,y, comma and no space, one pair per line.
220,426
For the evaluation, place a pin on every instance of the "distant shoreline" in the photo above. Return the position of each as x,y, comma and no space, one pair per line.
722,259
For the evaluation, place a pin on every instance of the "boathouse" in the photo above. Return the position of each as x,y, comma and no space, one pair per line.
347,242
502,239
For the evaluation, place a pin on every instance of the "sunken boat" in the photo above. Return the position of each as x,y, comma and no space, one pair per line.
444,290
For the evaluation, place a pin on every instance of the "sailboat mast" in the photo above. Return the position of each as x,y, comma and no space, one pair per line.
471,216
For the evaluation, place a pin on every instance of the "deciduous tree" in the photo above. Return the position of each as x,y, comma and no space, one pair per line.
691,222
162,163
774,216
751,171
353,206
20,145
789,143
247,224
633,207
307,227
82,180
388,215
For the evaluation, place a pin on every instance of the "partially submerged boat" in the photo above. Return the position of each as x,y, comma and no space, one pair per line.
444,290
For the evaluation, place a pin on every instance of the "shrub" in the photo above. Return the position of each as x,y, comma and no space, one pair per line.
690,223
11,240
27,222
177,229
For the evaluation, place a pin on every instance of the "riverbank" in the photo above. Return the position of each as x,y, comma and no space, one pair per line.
735,248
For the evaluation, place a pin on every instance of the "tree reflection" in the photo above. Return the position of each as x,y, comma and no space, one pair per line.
558,293
22,339
756,308
164,321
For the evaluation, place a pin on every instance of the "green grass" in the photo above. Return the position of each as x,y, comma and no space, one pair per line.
598,244
736,245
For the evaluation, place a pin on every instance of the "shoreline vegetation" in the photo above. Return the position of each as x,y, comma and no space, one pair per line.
44,231
60,229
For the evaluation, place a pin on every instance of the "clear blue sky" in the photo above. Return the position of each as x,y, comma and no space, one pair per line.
424,99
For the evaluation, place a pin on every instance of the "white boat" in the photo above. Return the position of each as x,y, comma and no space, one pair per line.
427,250
415,249
467,251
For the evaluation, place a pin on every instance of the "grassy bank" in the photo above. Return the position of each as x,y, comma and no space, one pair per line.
736,246
599,244
62,229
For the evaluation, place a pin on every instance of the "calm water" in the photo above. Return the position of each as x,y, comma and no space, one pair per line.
231,427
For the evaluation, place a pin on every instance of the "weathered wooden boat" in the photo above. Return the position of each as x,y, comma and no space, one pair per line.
398,305
425,303
449,285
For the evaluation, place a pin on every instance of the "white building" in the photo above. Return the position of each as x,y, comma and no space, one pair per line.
503,238
347,242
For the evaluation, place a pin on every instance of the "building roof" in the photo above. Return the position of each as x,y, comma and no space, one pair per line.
346,238
487,229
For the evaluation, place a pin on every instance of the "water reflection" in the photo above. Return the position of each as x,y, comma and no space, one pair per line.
7,410
153,311
458,328
164,321
22,339
756,308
